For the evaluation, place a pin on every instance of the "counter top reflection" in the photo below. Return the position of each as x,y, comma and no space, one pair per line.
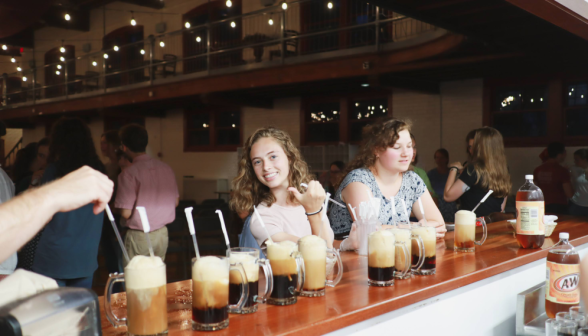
353,301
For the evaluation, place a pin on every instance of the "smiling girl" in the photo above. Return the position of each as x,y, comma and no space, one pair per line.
380,169
270,172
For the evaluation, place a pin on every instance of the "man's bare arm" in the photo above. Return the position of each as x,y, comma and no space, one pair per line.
23,216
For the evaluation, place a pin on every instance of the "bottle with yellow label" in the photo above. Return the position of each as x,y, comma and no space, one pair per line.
563,277
530,211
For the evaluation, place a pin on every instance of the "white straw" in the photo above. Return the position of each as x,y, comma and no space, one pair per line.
146,228
328,197
122,246
262,224
190,220
405,210
483,199
304,185
422,209
222,220
353,212
339,204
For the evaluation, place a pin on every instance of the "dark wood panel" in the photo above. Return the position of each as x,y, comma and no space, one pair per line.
353,301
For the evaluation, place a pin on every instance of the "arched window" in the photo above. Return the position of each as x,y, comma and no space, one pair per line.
55,70
224,35
126,58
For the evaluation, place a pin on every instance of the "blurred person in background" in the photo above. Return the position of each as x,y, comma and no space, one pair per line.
486,170
68,251
579,201
555,180
421,172
30,164
438,177
6,193
329,179
124,161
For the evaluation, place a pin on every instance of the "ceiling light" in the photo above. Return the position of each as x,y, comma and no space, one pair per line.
62,49
4,47
162,44
198,39
24,78
233,24
284,6
229,3
59,66
62,59
13,60
105,56
57,72
115,48
142,51
67,17
330,5
271,22
94,63
133,21
365,85
18,68
187,25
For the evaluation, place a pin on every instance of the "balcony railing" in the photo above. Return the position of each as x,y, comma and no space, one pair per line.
272,36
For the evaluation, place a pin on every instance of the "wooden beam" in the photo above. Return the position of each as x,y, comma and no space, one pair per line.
156,4
401,60
406,83
237,100
557,14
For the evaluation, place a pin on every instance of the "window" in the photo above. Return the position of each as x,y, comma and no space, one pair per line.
333,120
126,58
55,73
576,109
520,112
212,130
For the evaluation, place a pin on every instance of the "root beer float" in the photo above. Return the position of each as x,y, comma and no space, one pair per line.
146,290
429,237
288,272
381,258
249,258
210,292
465,231
315,253
404,236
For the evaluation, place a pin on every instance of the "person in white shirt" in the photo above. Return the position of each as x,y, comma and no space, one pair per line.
6,193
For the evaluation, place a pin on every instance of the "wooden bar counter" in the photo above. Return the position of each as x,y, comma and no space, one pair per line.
353,301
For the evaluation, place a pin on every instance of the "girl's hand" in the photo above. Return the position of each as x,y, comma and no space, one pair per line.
313,198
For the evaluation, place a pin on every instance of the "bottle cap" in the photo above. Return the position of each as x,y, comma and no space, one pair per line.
528,177
564,235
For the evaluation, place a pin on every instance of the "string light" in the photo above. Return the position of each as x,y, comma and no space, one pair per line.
24,78
198,39
59,66
233,24
57,72
105,56
330,5
115,48
142,51
62,59
271,22
229,3
133,21
62,49
162,44
94,63
284,6
67,17
18,68
4,47
13,60
187,25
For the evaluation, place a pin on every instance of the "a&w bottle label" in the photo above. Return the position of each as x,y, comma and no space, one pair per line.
562,283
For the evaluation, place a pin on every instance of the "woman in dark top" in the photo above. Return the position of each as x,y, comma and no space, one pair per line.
68,246
23,167
486,170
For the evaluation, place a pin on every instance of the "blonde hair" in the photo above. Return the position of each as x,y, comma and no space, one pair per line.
375,137
248,190
489,161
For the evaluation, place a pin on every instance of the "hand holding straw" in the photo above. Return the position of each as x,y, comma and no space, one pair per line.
405,210
146,228
122,246
262,224
190,220
483,199
328,197
222,220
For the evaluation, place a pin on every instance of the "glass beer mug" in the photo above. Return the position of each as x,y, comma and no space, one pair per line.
288,272
249,258
381,258
315,253
402,234
145,280
465,231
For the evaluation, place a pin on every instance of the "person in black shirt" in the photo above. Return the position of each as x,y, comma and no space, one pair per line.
485,171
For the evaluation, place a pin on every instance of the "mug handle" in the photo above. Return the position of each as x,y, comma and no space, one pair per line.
421,246
301,271
244,288
333,283
407,262
485,230
113,319
269,279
